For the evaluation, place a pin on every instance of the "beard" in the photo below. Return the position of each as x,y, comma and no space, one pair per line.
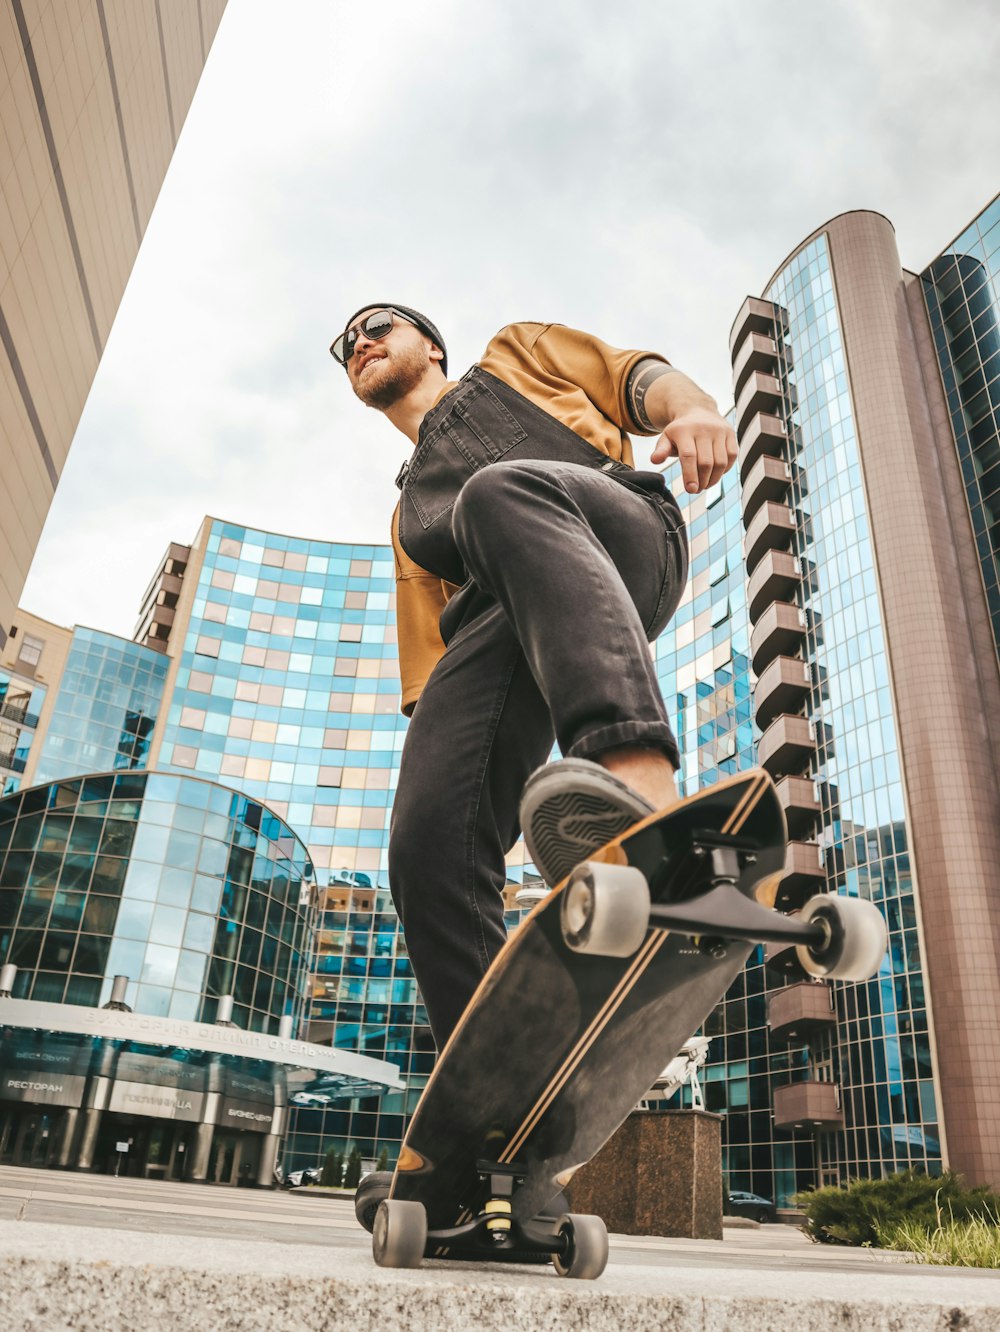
398,374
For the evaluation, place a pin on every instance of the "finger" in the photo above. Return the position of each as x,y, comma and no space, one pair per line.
687,452
706,460
664,449
721,457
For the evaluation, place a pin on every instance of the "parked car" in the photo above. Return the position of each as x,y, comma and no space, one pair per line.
298,1178
751,1205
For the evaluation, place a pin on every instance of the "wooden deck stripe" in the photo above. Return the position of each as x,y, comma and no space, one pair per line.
736,820
659,938
741,813
586,1040
583,1043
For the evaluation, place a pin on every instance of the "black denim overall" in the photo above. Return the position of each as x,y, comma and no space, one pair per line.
570,564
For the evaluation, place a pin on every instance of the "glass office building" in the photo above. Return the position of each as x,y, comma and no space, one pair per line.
287,686
875,694
31,665
851,1083
21,703
190,889
154,932
962,290
105,709
703,664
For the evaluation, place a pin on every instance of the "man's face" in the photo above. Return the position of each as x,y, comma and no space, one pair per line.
383,372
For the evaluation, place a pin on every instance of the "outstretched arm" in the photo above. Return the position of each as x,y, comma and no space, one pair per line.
692,429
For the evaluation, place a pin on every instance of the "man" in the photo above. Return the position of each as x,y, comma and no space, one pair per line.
534,566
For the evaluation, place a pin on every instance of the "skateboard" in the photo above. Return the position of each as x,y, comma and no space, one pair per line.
587,1002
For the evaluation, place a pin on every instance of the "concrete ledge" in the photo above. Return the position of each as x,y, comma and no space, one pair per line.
57,1278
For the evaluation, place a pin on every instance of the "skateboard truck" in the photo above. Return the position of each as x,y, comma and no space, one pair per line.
607,910
496,1210
494,1221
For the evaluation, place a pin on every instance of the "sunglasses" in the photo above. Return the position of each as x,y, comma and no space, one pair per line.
375,326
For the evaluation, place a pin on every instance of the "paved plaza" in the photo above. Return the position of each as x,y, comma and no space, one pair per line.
92,1252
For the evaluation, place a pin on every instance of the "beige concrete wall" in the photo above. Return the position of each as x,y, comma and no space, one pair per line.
943,663
93,94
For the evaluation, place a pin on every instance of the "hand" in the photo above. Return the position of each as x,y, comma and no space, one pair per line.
705,444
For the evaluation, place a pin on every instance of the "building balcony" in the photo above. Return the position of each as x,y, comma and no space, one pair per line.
755,316
780,957
786,746
804,875
772,528
758,352
761,393
169,586
11,712
775,578
765,433
813,1106
768,479
796,1012
797,796
778,633
782,687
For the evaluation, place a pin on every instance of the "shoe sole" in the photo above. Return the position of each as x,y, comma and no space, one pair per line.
569,810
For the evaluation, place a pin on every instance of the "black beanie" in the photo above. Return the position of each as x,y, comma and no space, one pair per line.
414,316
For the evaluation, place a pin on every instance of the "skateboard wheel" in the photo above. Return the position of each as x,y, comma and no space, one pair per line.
585,1252
399,1236
855,942
605,909
370,1192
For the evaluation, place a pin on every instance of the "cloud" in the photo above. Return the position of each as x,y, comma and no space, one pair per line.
633,170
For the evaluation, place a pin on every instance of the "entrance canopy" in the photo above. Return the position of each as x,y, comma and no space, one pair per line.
55,1054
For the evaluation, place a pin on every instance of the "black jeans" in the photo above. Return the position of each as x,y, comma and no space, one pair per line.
570,571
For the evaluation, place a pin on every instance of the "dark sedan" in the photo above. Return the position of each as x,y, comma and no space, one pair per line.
751,1205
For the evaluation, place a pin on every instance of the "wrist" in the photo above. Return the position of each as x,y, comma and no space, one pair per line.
676,396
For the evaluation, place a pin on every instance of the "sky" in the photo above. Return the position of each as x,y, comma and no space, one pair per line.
633,169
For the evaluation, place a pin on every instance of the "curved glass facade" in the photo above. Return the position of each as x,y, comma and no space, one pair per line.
191,890
106,708
879,1053
962,290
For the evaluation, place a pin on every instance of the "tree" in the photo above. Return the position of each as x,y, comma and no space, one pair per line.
333,1169
383,1159
352,1175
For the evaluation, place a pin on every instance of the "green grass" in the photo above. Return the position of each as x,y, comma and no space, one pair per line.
973,1242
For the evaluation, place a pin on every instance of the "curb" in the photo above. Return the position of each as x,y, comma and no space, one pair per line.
50,1295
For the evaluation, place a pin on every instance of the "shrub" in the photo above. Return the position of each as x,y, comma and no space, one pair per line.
869,1209
352,1175
333,1169
383,1159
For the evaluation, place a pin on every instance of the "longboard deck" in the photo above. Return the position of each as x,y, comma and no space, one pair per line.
556,1048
